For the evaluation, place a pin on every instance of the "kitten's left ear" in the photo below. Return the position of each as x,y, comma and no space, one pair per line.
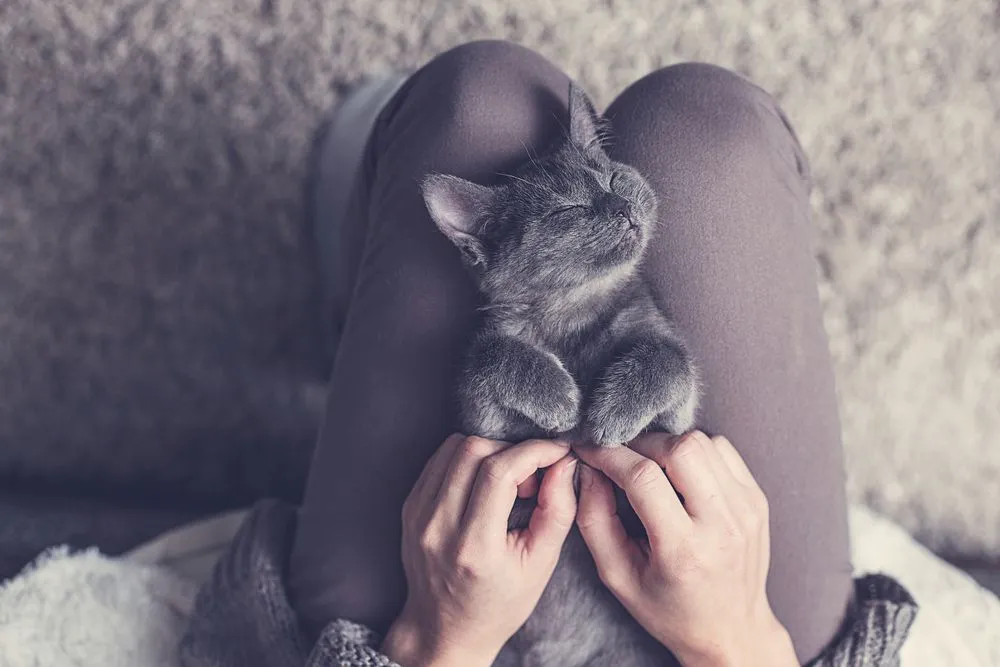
457,207
584,123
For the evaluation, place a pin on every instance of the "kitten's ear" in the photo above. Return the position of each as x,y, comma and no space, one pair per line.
584,123
456,206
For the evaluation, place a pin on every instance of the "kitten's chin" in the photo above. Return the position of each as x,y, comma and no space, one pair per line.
630,246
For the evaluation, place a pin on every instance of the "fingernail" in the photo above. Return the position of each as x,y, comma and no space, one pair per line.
586,476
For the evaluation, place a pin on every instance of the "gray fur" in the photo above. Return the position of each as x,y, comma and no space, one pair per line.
572,344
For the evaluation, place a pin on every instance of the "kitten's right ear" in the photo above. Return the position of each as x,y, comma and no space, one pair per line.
584,123
456,206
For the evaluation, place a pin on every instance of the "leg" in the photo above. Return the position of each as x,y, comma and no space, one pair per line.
472,112
732,263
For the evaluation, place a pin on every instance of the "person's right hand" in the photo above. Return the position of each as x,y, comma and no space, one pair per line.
698,584
471,582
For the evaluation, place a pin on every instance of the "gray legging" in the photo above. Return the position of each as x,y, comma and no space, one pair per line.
732,261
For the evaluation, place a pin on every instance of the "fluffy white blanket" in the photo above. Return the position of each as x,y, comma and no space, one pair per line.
88,610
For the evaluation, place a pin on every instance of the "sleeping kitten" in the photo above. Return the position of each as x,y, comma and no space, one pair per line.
572,344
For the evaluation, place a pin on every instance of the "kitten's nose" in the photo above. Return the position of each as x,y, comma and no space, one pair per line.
617,206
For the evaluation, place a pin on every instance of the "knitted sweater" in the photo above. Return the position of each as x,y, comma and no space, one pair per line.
243,618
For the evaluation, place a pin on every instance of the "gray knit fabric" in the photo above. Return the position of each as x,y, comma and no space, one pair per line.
243,617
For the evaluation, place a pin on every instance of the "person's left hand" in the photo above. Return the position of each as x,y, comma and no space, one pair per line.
471,583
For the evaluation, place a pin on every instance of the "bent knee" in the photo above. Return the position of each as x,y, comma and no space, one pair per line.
495,85
728,117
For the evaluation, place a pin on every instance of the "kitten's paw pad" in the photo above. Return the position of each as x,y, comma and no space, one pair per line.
611,423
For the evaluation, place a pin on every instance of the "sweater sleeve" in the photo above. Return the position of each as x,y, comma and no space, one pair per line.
243,618
876,627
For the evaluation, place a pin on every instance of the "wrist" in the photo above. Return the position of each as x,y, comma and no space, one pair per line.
409,645
766,645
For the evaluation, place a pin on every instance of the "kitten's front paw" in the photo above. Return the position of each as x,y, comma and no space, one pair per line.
681,416
613,419
556,404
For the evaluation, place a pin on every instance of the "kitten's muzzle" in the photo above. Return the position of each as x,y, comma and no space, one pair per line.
616,206
626,216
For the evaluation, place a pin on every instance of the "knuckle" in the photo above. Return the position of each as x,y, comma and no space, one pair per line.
477,448
428,542
700,438
468,564
720,441
750,517
614,577
730,524
685,562
644,473
734,530
761,506
496,469
689,445
757,521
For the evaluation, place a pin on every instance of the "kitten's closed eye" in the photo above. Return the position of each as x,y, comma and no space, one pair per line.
566,209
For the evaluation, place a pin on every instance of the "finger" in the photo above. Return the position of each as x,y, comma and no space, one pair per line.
656,446
425,489
732,491
659,446
737,466
615,555
742,473
691,471
646,486
453,496
555,512
495,487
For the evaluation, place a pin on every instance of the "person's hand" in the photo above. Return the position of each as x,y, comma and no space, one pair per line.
471,584
697,583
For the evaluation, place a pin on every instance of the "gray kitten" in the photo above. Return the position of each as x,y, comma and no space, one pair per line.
572,344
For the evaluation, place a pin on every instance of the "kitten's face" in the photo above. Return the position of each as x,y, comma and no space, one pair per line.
572,217
559,222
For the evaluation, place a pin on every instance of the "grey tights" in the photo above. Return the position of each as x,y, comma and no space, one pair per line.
732,260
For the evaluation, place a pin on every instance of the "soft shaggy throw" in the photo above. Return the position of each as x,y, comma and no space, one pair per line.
90,611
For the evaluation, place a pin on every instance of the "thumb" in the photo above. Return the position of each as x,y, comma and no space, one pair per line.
553,516
615,555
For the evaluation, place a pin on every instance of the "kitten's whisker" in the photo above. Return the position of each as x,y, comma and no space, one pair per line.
514,307
528,153
537,166
527,182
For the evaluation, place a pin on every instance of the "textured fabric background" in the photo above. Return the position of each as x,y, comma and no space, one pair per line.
158,323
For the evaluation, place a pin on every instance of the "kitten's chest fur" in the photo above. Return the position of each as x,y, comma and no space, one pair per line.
585,331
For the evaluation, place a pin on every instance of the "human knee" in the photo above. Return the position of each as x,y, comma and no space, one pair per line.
728,116
493,79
